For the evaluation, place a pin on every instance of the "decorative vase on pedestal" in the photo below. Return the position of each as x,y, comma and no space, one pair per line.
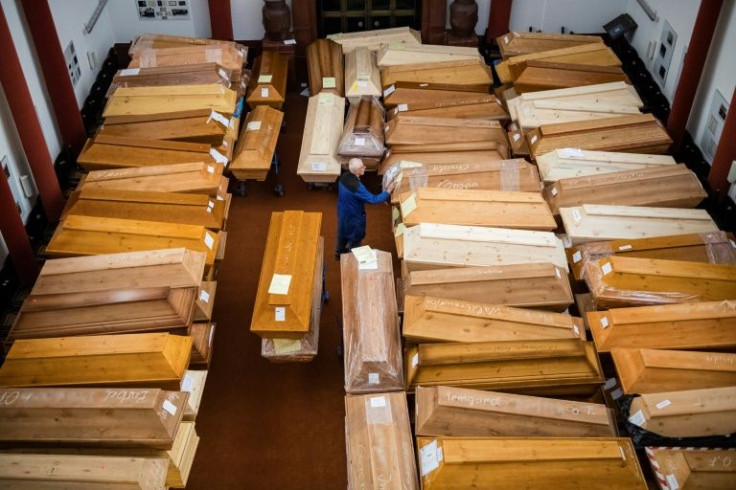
463,18
277,19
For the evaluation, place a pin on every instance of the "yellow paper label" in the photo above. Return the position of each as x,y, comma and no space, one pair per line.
265,78
287,346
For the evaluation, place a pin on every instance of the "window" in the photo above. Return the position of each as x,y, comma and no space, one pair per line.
364,15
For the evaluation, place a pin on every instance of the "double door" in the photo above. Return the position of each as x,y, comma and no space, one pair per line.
365,15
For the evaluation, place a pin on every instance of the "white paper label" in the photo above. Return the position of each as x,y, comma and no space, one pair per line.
733,244
378,402
289,41
253,126
129,72
402,107
672,482
604,322
359,141
169,407
219,118
373,378
319,167
517,136
209,210
506,39
610,383
362,83
617,393
577,257
571,152
219,157
607,268
637,418
625,247
204,296
576,330
222,73
415,360
280,284
663,404
389,91
280,315
554,191
187,384
210,204
212,336
534,139
557,273
210,169
264,92
428,460
208,240
576,215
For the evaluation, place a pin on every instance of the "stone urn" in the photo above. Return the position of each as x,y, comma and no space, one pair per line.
276,19
463,17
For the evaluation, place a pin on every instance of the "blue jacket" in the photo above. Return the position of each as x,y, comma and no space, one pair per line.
351,199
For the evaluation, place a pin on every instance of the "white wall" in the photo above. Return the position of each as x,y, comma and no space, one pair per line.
126,25
247,19
580,16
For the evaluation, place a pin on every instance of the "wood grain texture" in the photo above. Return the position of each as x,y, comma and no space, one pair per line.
373,39
695,468
193,383
326,70
130,101
109,152
268,85
393,54
473,75
196,126
423,95
199,74
361,74
533,76
230,56
439,156
203,334
407,129
257,143
323,128
520,43
570,163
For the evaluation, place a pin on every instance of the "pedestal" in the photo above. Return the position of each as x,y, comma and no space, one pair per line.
470,42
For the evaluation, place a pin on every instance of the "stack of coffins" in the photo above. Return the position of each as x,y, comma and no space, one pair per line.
373,39
286,312
318,161
326,69
268,86
689,467
363,133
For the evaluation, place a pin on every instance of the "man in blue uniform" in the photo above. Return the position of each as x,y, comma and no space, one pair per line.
352,196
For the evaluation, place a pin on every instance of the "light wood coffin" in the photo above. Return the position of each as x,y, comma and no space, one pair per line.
151,359
641,133
691,413
135,101
532,76
519,43
706,326
562,463
671,186
375,38
199,74
697,468
460,412
197,126
268,86
373,361
159,41
193,383
542,286
568,163
713,247
411,96
479,106
325,64
203,334
438,319
108,417
257,144
230,56
442,156
318,160
472,75
362,135
596,222
361,74
291,250
654,370
536,367
406,129
378,440
181,456
82,472
632,281
392,54
438,246
472,207
196,177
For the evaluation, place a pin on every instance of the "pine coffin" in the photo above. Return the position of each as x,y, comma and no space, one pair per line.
706,326
459,412
199,74
483,107
193,383
318,160
151,359
373,361
533,76
535,367
257,144
568,163
654,370
596,222
291,250
520,43
455,463
473,75
108,417
164,99
362,77
543,286
694,467
325,64
414,96
268,87
375,38
362,135
406,129
438,319
160,41
631,281
229,57
450,156
392,54
198,126
378,440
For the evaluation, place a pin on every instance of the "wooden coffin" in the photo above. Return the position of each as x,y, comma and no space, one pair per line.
193,383
538,367
439,319
654,370
561,463
670,186
597,54
473,75
392,54
533,76
707,326
361,74
318,160
371,336
151,359
688,467
205,301
197,126
519,43
691,413
290,255
107,152
181,456
159,41
110,417
568,163
438,246
201,74
164,99
460,412
641,133
713,247
362,135
494,175
373,39
632,281
475,207
202,334
542,286
412,96
82,472
325,64
257,144
487,108
198,178
268,86
596,222
378,440
83,235
450,156
230,56
406,129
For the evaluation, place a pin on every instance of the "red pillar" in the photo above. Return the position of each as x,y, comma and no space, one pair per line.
434,21
725,153
692,69
26,122
221,20
498,19
15,236
55,73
